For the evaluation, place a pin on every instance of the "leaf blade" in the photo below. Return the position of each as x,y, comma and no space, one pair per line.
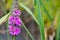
4,18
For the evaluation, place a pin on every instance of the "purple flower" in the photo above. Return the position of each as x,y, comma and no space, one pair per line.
16,12
14,20
18,21
14,30
11,20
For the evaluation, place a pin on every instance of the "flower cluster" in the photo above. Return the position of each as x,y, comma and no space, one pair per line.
14,22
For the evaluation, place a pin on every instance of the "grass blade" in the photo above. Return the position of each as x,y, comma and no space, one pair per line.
27,31
29,11
4,18
40,20
46,10
58,29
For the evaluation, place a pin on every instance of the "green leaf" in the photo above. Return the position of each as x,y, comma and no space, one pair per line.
4,18
48,15
40,20
47,10
27,31
34,2
29,11
58,29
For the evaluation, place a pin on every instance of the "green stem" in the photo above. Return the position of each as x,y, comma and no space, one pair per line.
7,31
13,37
27,31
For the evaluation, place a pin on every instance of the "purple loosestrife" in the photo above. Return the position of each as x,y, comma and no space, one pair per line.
14,22
14,30
16,12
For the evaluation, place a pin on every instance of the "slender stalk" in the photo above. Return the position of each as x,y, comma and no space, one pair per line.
13,37
8,37
27,31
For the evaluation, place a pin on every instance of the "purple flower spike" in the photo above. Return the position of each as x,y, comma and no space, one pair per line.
16,12
14,20
14,30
